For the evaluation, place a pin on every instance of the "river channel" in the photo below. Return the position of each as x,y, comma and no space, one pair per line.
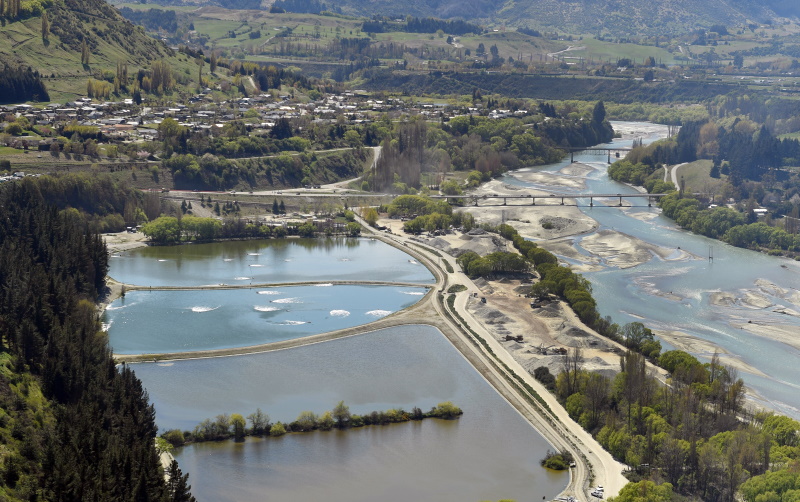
669,294
491,452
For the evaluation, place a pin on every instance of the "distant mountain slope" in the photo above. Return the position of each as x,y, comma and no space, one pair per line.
108,36
618,17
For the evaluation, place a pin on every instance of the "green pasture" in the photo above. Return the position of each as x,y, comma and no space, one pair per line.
608,51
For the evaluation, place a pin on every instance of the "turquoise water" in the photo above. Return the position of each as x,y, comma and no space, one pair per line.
641,292
177,321
490,453
266,261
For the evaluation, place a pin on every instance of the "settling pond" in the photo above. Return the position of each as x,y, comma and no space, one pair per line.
491,452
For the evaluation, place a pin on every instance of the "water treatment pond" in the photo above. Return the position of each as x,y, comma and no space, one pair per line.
267,261
178,321
490,453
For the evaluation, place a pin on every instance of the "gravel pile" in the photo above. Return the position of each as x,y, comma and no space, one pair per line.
556,222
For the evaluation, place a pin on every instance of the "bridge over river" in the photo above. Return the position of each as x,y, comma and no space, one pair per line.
559,198
597,150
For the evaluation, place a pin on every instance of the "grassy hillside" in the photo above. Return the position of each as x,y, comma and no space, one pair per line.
613,17
109,38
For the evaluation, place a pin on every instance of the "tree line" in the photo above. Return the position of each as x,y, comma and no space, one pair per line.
169,230
18,85
380,24
234,426
98,443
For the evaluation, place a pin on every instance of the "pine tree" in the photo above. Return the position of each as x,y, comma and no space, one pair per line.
275,208
282,208
178,486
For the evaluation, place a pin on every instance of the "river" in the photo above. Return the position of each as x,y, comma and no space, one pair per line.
675,294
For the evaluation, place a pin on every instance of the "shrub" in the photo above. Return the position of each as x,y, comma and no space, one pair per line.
277,430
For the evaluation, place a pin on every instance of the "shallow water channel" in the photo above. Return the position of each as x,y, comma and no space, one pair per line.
491,452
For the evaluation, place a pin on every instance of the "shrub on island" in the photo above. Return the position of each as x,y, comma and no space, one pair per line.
233,426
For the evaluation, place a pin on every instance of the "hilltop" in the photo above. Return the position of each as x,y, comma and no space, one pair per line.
109,39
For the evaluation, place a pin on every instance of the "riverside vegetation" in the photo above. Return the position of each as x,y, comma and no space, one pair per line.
234,426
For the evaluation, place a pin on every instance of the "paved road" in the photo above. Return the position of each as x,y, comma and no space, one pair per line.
673,172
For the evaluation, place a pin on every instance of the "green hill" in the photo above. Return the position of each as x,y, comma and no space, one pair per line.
109,39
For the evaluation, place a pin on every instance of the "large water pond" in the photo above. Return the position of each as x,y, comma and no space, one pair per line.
675,295
178,321
267,261
490,453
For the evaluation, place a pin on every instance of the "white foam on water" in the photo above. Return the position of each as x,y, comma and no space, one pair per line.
163,260
204,309
256,265
119,307
413,262
340,313
106,325
227,259
287,300
323,285
165,365
242,278
293,323
269,292
415,293
287,259
265,308
253,254
379,313
344,259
